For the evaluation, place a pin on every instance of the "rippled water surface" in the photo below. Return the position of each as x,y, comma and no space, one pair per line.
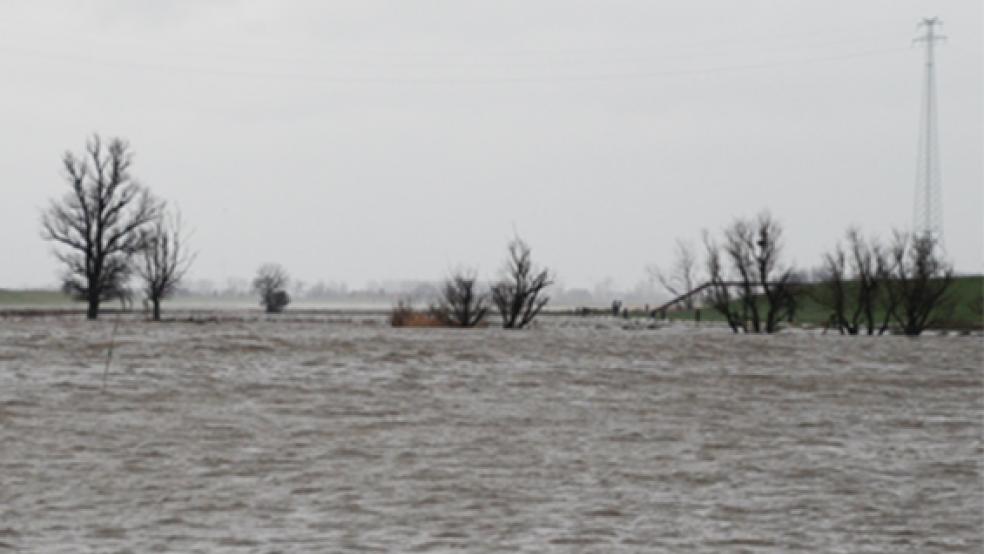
578,436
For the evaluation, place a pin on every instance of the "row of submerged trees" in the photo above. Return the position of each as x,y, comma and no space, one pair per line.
109,229
866,286
462,300
519,296
870,286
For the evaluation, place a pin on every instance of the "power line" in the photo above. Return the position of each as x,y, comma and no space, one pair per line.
130,44
326,77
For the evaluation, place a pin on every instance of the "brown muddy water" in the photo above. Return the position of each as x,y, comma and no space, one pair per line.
578,436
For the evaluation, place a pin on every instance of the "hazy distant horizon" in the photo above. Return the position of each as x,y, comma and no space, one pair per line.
238,292
366,141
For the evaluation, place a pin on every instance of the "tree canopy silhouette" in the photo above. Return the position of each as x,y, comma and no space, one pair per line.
163,261
270,283
460,303
519,296
99,224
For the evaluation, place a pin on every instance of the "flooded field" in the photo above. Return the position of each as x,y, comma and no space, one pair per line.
577,436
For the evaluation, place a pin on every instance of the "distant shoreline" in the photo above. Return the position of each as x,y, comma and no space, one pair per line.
968,291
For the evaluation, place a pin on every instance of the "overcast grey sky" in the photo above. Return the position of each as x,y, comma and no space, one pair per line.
364,140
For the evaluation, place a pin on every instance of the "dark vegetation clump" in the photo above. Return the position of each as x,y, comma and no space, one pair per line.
461,304
404,315
271,283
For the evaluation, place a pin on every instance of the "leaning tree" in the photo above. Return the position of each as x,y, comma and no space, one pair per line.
519,295
682,276
99,224
163,261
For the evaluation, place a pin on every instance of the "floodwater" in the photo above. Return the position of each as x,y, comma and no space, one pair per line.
578,436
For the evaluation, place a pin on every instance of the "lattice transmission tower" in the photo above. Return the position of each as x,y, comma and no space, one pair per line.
928,205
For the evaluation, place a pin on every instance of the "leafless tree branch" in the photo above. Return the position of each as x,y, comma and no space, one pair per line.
460,303
99,224
164,260
519,296
766,290
918,283
683,274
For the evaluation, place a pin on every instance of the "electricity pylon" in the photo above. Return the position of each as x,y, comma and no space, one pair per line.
928,206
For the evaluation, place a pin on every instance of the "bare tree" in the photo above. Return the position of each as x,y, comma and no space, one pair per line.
766,289
270,283
918,283
777,282
163,261
869,265
852,283
99,224
832,292
682,277
460,303
718,295
519,296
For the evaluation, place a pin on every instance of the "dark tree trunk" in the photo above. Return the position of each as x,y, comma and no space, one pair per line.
157,309
93,311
